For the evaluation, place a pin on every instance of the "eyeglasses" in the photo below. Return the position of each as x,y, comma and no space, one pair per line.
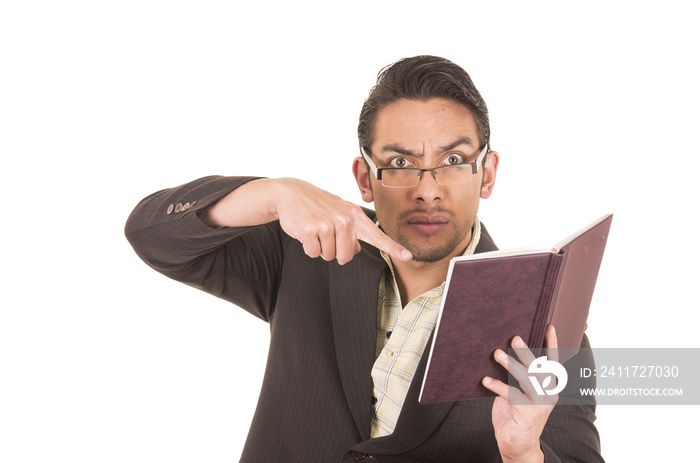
407,177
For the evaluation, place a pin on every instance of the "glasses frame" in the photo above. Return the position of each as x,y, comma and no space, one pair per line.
377,171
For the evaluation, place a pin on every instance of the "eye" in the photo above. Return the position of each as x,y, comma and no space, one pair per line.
455,159
399,162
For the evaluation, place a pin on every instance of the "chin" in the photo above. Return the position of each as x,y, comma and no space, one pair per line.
429,254
429,257
431,248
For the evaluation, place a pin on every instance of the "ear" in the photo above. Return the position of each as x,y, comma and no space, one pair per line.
490,168
359,170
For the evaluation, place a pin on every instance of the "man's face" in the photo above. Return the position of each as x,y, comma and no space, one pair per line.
432,221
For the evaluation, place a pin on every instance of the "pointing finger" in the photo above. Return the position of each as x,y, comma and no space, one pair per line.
371,234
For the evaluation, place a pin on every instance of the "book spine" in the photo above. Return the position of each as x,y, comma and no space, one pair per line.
563,256
544,306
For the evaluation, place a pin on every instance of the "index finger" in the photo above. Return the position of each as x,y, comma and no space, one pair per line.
368,232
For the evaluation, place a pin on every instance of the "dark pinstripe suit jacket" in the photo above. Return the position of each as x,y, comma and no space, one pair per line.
315,403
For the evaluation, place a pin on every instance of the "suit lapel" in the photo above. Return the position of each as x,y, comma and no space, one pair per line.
354,299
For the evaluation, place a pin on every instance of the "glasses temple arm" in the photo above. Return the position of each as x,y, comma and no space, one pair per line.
369,161
479,159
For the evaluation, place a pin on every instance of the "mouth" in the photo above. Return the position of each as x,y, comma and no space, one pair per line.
428,224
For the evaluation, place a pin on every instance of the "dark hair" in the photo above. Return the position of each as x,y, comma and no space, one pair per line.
422,78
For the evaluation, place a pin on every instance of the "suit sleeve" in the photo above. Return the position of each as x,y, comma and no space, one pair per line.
570,434
241,265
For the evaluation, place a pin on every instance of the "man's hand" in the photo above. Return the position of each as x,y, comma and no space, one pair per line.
518,427
329,226
326,225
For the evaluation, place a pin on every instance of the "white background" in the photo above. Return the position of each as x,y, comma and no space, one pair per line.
594,109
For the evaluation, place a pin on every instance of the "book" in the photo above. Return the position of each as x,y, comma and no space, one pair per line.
492,297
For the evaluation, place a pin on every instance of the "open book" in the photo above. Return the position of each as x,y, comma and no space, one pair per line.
492,297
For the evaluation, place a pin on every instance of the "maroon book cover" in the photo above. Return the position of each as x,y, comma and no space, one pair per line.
492,297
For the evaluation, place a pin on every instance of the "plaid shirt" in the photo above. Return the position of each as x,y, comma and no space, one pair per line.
401,339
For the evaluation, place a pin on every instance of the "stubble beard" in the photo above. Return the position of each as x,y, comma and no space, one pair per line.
425,249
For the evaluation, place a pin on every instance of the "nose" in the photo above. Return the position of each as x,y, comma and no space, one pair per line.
428,189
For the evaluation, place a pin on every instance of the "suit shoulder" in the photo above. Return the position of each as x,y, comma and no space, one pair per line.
485,242
370,213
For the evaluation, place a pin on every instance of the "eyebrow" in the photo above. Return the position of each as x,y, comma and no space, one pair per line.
396,148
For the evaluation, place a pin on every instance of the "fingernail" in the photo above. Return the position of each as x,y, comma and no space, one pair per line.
406,254
501,355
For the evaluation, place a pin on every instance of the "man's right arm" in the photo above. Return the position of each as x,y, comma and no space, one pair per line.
221,235
239,264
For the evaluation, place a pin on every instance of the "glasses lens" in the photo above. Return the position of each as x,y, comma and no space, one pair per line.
451,175
400,177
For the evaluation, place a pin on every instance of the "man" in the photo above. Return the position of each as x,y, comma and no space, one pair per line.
352,296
